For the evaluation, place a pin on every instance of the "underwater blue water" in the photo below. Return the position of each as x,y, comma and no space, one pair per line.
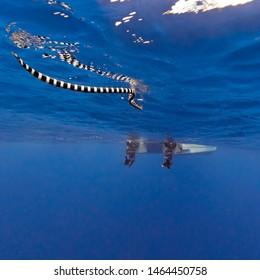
65,192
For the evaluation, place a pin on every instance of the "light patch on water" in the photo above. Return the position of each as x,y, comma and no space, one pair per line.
61,4
126,19
195,6
61,14
64,10
141,40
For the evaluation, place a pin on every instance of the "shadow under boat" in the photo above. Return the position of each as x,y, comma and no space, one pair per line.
168,148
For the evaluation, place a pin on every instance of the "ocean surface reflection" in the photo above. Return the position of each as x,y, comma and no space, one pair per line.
168,148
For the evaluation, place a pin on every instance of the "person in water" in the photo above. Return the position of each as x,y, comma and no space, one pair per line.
130,152
168,149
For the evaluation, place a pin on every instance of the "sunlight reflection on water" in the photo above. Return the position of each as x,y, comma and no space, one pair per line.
188,6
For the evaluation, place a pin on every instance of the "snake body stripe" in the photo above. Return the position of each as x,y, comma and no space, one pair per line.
71,59
80,88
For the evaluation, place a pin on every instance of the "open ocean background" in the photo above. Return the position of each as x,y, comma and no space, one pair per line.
64,190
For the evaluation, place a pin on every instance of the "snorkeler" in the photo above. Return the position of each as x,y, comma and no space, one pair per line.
132,145
168,149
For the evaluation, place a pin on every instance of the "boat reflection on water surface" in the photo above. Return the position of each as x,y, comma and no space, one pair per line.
169,148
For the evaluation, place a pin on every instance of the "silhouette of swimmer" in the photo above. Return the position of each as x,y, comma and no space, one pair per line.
132,145
168,149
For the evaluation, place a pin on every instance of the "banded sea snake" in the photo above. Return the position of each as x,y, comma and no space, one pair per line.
82,88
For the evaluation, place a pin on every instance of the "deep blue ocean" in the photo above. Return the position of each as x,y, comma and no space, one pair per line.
65,191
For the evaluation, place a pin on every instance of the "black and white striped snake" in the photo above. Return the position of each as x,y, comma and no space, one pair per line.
82,88
71,59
